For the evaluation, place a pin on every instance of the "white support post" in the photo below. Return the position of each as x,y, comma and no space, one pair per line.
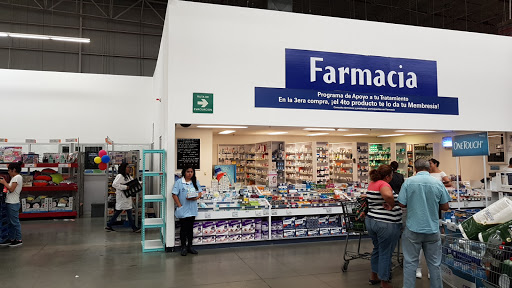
485,180
457,159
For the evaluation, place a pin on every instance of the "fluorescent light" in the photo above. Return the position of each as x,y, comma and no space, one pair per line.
3,34
227,132
277,133
319,129
391,135
341,129
317,134
222,127
71,39
415,131
29,36
355,135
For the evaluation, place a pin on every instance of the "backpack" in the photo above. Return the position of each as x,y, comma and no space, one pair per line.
361,209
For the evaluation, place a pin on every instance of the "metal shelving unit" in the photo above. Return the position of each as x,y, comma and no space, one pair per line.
158,199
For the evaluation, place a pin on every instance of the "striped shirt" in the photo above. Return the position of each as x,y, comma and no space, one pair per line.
376,204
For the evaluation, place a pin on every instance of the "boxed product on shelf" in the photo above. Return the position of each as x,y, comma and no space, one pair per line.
30,158
234,227
28,180
257,225
277,234
198,229
258,236
313,232
336,231
312,222
264,234
300,222
63,204
288,222
248,226
208,239
276,225
235,238
10,154
264,226
209,228
222,227
334,221
287,233
248,237
197,240
221,238
37,205
324,232
301,232
323,221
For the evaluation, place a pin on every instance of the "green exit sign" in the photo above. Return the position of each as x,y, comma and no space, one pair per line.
202,103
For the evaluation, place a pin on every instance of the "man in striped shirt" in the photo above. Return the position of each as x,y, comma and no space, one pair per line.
423,195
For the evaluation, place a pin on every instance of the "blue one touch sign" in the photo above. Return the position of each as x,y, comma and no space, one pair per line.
470,145
338,81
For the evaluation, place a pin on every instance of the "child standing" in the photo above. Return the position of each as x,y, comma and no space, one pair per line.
13,204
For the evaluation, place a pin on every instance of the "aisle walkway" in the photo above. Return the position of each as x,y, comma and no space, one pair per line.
81,254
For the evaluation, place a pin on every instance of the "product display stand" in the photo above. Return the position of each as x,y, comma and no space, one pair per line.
157,199
363,167
341,162
401,158
322,162
299,162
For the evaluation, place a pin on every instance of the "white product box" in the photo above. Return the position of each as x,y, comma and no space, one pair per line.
234,227
288,234
313,232
324,232
301,232
222,227
55,206
235,238
248,226
208,239
209,228
248,237
35,207
336,231
288,223
221,238
197,240
198,229
300,222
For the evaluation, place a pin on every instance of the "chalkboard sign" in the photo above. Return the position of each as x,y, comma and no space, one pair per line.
188,153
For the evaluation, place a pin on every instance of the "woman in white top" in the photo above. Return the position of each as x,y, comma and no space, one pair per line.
123,203
12,199
438,174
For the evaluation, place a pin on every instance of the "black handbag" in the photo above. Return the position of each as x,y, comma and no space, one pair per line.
134,187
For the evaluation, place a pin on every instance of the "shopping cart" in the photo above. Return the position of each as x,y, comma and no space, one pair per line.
481,264
356,228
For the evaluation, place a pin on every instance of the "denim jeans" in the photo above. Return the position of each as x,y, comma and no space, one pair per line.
412,243
13,214
384,236
117,213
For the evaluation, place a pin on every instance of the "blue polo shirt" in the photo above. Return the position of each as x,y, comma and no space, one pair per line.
423,194
188,207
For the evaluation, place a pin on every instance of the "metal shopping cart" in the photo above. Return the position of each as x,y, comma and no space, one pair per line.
475,264
356,228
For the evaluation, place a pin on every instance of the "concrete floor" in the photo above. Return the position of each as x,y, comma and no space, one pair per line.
81,254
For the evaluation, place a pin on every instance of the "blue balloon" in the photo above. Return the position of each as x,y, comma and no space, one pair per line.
105,159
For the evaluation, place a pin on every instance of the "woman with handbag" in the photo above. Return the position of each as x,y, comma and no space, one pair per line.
383,222
123,203
185,193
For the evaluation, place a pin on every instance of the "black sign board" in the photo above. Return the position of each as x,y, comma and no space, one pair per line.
188,153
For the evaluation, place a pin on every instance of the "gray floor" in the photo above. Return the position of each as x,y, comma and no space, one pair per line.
81,254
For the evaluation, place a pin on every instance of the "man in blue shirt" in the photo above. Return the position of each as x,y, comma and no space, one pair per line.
423,195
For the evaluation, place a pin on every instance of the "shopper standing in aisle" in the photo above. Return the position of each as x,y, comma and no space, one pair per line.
185,193
383,222
423,196
13,190
438,174
123,203
398,179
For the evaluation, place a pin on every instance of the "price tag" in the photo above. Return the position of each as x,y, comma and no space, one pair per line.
54,141
4,165
258,213
30,141
265,212
288,212
207,215
3,140
466,203
30,165
64,165
274,212
234,214
71,140
328,210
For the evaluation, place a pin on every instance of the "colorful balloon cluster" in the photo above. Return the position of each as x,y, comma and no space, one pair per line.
102,160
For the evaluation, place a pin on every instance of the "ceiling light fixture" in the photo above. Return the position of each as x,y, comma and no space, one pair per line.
415,131
350,135
221,127
277,133
317,134
45,37
227,132
341,129
391,135
319,129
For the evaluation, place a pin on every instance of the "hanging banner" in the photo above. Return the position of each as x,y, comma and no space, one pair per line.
470,145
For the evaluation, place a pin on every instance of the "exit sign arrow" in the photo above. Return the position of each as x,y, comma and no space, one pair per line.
203,103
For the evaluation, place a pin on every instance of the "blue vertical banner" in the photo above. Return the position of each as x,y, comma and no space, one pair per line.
476,144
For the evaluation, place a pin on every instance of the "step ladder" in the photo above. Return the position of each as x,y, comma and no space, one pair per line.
158,200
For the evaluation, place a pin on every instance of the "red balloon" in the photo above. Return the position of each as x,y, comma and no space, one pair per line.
102,153
102,166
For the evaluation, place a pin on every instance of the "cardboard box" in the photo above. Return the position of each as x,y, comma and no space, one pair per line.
197,240
60,205
336,231
277,234
208,239
209,228
323,221
221,238
234,227
235,238
288,222
259,236
334,221
300,222
248,237
257,225
276,225
248,226
313,232
264,226
287,234
38,207
324,232
222,227
198,229
28,180
301,232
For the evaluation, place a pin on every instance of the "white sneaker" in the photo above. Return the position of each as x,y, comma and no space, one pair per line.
418,274
429,275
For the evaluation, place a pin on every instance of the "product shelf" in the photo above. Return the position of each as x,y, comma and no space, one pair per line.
48,215
49,188
154,198
153,222
44,165
152,245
